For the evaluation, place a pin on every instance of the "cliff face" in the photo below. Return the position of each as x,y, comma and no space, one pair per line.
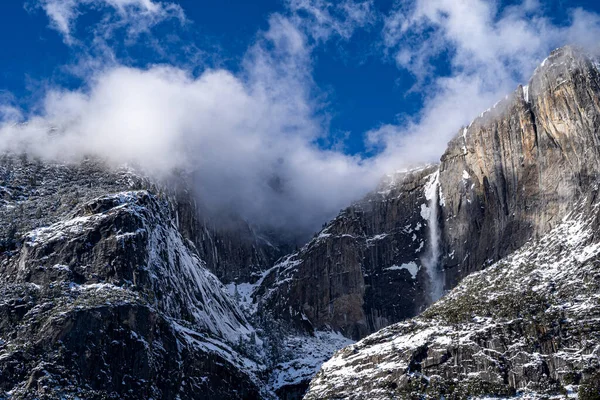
363,270
518,194
232,249
518,169
510,176
35,193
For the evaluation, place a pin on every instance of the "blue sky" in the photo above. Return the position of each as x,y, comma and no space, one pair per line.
300,105
364,87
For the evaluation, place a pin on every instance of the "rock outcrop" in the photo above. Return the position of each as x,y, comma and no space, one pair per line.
34,193
102,297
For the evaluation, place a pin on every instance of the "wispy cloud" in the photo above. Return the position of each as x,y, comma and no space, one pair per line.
137,16
321,19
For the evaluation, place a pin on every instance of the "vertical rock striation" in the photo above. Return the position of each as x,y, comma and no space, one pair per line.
518,168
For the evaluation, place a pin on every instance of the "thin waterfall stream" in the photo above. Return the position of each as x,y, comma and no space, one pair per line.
431,259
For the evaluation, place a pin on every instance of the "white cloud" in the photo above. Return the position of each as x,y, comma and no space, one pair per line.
322,19
248,138
137,16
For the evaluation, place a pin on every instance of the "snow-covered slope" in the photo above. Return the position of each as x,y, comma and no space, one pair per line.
291,356
112,301
527,326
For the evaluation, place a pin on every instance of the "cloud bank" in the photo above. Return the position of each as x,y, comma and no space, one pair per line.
249,137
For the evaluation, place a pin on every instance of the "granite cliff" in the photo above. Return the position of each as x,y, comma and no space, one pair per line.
518,200
510,176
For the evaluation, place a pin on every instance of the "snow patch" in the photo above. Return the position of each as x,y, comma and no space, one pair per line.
411,267
309,354
425,212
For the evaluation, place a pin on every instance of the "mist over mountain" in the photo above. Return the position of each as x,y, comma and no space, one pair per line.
253,138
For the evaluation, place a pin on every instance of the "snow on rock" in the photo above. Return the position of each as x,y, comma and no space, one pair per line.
118,265
425,212
201,292
171,264
307,354
524,327
411,267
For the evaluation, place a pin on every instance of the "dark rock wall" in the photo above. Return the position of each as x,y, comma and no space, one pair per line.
515,172
102,297
232,249
350,276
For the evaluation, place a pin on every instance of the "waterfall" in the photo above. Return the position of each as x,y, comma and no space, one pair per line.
430,261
